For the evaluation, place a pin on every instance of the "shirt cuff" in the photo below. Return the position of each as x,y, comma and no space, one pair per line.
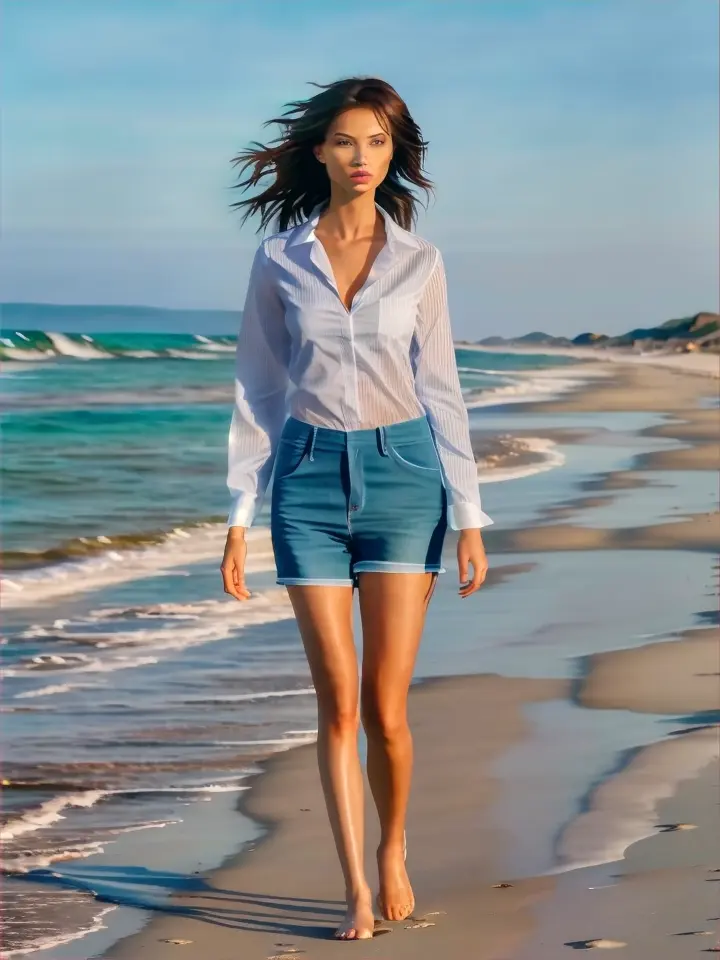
467,515
242,511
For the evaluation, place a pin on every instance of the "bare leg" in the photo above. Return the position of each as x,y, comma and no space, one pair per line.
393,608
324,616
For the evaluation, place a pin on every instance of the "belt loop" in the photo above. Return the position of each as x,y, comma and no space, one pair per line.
383,443
312,443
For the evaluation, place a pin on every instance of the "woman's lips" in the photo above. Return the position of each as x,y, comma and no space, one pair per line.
360,176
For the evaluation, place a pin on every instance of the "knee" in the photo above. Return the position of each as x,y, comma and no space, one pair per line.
340,717
380,720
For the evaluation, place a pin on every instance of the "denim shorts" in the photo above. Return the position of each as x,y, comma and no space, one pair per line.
348,501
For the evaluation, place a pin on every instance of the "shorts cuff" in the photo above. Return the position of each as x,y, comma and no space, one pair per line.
389,566
319,581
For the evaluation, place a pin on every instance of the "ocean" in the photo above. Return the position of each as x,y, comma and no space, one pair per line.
133,687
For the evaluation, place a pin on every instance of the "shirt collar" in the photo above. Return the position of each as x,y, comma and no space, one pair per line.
396,235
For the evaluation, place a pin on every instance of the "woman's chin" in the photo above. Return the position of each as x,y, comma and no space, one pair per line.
361,187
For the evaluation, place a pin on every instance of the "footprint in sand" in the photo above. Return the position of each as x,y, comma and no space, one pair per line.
601,944
672,827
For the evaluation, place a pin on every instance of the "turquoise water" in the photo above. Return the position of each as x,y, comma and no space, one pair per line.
118,444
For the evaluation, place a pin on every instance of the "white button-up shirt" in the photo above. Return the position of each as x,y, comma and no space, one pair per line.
389,358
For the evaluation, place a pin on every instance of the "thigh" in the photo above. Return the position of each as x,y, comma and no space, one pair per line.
392,608
324,617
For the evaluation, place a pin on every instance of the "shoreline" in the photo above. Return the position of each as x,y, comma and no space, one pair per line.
460,883
295,857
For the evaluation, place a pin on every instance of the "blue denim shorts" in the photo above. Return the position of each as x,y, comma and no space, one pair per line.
348,501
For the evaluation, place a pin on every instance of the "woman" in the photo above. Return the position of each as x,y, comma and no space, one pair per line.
348,309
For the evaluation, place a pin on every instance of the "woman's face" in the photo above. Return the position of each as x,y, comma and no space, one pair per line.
356,142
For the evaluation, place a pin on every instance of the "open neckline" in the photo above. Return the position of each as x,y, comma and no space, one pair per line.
330,273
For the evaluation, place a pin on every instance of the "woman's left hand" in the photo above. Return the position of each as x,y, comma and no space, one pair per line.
470,549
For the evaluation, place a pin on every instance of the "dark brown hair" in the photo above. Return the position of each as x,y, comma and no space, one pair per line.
301,181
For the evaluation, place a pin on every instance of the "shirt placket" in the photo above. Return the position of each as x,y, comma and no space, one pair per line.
352,398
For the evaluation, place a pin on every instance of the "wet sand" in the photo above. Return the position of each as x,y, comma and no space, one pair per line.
654,815
661,901
285,892
674,676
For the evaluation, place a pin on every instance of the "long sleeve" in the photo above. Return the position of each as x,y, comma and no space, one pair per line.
261,380
437,385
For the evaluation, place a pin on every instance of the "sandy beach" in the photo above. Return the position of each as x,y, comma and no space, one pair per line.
512,853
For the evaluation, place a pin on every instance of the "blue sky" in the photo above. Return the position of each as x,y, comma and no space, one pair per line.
573,144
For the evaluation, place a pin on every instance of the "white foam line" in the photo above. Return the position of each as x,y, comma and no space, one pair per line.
241,697
194,624
24,863
150,825
48,943
52,690
552,458
531,386
623,809
49,812
181,548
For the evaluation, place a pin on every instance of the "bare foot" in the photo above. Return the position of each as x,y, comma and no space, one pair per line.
395,900
359,921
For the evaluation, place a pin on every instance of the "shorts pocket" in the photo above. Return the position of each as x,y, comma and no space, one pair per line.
419,456
291,455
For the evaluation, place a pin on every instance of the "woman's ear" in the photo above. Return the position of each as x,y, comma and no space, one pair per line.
318,150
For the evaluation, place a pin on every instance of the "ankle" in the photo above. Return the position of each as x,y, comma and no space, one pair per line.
391,844
358,892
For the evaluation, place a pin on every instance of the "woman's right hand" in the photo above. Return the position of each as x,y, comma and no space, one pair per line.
233,564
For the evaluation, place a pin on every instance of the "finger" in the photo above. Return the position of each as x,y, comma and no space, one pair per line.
239,592
479,573
474,584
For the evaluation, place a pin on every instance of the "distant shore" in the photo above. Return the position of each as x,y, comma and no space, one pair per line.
702,364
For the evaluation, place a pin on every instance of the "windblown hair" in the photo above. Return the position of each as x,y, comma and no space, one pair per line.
300,181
